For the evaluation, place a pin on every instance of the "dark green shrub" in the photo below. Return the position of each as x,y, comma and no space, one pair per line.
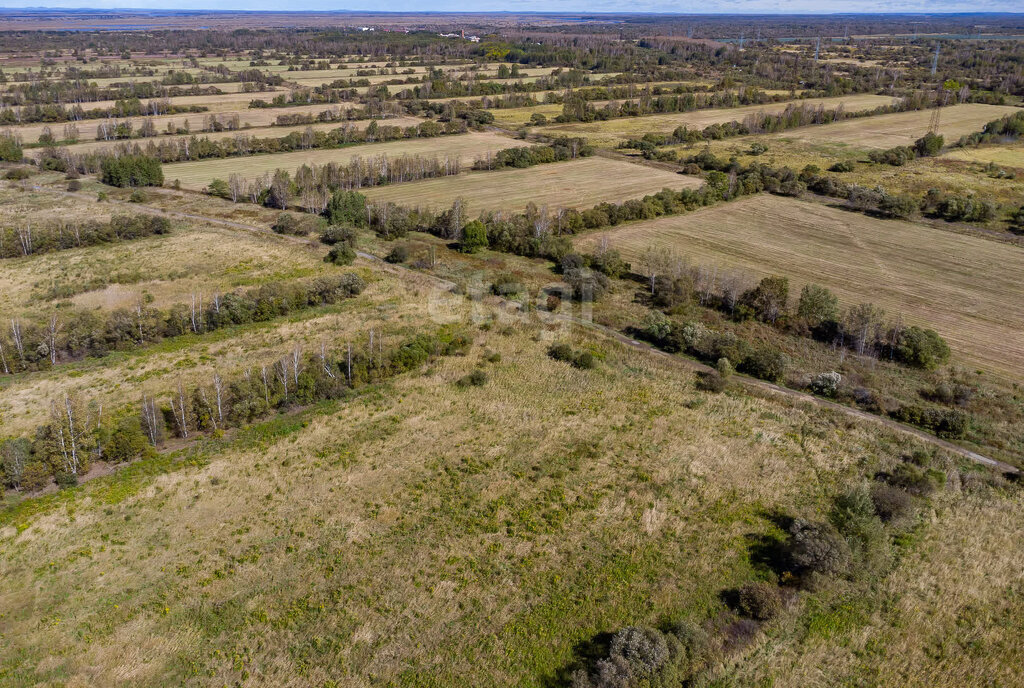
843,166
138,196
928,145
338,234
711,381
474,237
18,173
766,363
477,378
583,360
916,480
817,548
74,185
398,254
506,285
340,254
760,600
891,503
921,348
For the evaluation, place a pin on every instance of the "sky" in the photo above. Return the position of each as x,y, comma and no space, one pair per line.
685,7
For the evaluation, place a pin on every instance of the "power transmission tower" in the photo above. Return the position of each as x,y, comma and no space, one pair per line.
935,60
817,49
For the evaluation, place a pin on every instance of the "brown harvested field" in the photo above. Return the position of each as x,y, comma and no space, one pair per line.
967,288
260,132
1009,155
574,184
900,128
613,130
466,147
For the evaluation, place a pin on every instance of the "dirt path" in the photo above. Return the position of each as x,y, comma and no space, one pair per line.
748,382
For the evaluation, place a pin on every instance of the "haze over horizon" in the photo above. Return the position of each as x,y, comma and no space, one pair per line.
930,7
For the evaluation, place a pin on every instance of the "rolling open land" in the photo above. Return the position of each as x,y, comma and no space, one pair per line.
968,287
729,424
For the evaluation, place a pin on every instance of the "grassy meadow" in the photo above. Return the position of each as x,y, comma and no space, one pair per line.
383,573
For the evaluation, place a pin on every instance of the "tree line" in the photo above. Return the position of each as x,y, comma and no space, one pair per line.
25,240
69,336
79,433
55,114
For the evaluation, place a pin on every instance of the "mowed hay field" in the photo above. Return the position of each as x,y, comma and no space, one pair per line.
1010,155
577,184
613,130
967,288
465,147
900,128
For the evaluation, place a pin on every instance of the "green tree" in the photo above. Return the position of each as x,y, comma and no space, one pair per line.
219,188
347,207
769,298
10,148
474,237
928,145
817,304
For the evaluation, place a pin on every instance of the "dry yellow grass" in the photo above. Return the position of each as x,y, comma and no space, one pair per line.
194,257
466,147
611,131
967,288
900,128
1010,155
573,184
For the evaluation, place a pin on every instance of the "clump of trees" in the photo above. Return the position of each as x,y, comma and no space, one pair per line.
1008,128
26,240
10,147
562,148
927,146
131,170
242,144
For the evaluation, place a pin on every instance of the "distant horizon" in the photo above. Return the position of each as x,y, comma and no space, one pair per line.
762,8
